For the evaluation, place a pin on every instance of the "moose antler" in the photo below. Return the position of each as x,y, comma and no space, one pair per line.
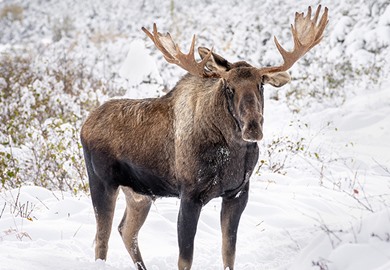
172,53
306,35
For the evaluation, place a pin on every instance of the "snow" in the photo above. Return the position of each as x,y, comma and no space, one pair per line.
327,208
364,246
138,64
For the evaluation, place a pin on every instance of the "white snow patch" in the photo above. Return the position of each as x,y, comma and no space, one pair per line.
139,65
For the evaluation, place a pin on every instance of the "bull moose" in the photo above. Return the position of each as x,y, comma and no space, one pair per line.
197,142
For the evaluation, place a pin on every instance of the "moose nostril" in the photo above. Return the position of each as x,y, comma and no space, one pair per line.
253,125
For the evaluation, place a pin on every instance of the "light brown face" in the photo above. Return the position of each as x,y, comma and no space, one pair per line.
244,93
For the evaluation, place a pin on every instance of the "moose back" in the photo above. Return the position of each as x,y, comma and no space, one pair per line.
197,142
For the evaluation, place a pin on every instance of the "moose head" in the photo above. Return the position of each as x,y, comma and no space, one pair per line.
243,83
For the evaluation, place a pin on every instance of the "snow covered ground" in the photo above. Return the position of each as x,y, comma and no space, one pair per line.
321,197
291,222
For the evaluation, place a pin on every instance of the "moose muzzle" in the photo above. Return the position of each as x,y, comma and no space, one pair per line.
252,130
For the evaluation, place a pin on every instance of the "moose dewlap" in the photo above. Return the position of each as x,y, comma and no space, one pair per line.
197,142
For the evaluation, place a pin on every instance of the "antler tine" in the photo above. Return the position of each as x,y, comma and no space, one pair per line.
174,55
191,52
317,14
322,24
306,34
168,48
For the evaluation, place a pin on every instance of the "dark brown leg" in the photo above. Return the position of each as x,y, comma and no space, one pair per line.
103,200
231,211
186,227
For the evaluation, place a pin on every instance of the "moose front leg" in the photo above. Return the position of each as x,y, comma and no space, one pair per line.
186,229
231,211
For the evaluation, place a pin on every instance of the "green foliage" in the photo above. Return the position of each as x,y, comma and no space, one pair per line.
9,169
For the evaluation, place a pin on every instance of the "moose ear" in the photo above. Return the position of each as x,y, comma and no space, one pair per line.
216,63
276,79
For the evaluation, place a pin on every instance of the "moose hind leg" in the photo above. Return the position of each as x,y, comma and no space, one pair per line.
103,200
137,209
231,211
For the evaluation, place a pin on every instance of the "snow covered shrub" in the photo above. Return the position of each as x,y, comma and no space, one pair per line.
278,151
41,114
297,146
308,90
9,169
332,88
62,28
15,73
357,53
58,158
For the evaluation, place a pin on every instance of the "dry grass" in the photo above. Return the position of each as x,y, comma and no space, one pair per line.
101,37
13,12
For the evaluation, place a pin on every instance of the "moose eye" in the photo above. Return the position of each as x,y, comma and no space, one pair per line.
230,92
261,88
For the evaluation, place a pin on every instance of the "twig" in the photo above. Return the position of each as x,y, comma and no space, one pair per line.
74,235
387,170
330,233
42,202
293,240
326,229
261,222
2,211
367,204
